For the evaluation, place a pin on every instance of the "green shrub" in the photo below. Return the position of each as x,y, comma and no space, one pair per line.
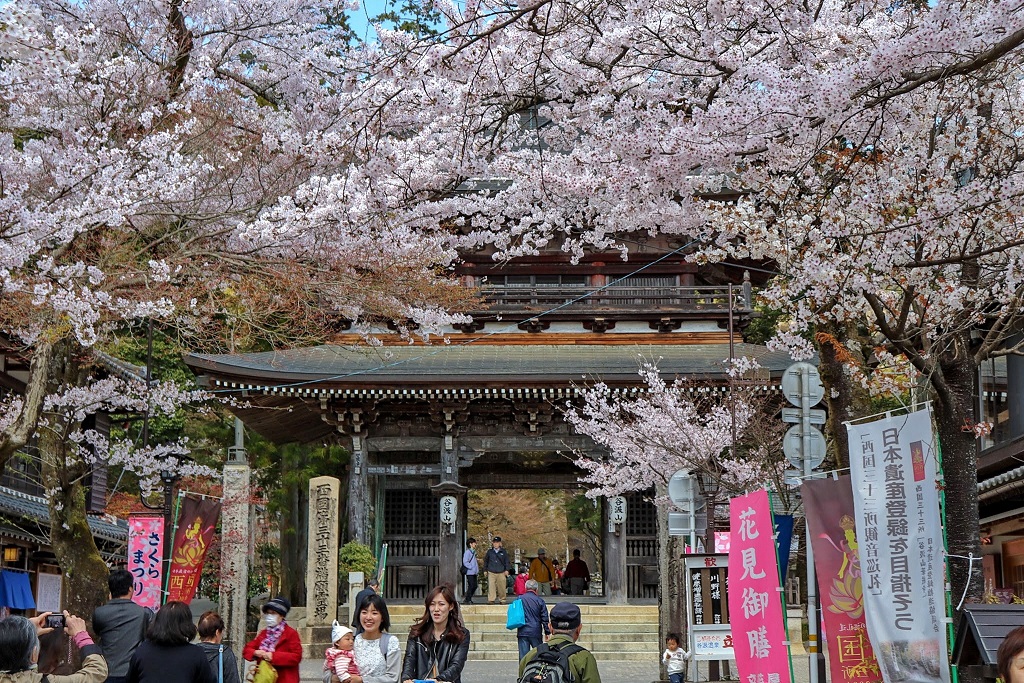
356,557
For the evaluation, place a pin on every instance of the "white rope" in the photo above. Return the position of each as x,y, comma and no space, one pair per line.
971,559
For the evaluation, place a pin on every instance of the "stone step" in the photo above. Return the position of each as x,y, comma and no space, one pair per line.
611,632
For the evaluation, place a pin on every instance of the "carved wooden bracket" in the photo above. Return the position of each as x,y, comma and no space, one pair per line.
534,325
599,325
665,324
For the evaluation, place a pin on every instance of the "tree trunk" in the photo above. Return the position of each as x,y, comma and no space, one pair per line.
293,528
72,540
63,471
24,425
672,582
954,410
846,399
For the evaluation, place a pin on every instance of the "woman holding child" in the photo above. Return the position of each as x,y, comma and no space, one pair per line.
378,656
439,642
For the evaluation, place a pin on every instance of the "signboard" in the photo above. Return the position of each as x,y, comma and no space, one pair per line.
404,470
893,465
145,557
707,606
762,643
49,592
617,509
448,509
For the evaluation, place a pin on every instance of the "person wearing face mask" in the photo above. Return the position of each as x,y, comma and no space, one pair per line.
278,643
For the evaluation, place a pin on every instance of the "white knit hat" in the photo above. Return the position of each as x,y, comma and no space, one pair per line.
338,631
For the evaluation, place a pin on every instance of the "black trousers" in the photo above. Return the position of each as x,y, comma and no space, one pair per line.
470,587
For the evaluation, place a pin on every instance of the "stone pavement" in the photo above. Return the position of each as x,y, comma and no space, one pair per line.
491,671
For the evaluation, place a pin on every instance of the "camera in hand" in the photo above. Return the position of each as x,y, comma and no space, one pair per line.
55,621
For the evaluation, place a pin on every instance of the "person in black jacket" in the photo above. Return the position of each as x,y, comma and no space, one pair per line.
497,565
167,656
439,642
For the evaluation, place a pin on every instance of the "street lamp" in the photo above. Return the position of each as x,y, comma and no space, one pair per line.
169,478
709,480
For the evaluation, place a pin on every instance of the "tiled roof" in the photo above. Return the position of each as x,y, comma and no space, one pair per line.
34,508
474,364
1007,477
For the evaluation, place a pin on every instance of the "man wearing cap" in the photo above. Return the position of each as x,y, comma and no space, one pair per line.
497,565
278,644
542,571
565,630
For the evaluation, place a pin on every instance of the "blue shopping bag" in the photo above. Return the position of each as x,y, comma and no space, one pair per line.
516,615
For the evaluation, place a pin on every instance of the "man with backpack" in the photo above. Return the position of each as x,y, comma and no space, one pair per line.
560,660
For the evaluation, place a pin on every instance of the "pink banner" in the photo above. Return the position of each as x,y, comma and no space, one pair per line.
758,625
145,558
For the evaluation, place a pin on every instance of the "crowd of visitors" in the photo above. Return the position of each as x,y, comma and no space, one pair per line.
135,645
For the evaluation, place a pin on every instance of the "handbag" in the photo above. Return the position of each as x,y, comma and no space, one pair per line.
263,672
463,570
516,617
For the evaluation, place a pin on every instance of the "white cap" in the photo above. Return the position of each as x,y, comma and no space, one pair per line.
338,631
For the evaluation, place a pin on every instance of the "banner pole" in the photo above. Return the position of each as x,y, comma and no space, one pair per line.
170,548
782,590
812,587
950,633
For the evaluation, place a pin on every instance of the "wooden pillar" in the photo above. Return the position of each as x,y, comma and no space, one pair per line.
615,589
450,535
359,501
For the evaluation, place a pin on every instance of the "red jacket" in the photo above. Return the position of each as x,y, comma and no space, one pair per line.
287,654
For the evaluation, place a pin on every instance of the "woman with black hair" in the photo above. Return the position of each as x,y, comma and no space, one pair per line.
167,655
377,653
438,642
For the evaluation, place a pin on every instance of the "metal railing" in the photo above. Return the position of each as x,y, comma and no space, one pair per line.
616,297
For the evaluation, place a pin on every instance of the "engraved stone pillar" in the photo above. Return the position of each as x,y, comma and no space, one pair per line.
322,562
236,538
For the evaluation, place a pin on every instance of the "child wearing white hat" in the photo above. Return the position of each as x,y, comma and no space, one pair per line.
339,662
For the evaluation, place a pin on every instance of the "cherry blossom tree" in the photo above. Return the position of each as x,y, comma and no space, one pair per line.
869,149
167,161
677,425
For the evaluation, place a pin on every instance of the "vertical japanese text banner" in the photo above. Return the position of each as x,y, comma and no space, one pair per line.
755,610
145,557
893,466
828,505
196,525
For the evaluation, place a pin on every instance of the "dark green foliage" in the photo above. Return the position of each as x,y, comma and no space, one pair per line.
418,18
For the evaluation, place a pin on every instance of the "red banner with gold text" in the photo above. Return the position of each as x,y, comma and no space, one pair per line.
828,505
197,522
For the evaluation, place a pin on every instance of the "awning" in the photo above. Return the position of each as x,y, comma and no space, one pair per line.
16,590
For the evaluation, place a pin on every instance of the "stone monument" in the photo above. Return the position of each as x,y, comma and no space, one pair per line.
322,557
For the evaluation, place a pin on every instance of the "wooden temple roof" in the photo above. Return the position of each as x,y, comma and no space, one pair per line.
488,369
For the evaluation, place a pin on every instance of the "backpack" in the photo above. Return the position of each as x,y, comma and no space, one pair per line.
551,665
